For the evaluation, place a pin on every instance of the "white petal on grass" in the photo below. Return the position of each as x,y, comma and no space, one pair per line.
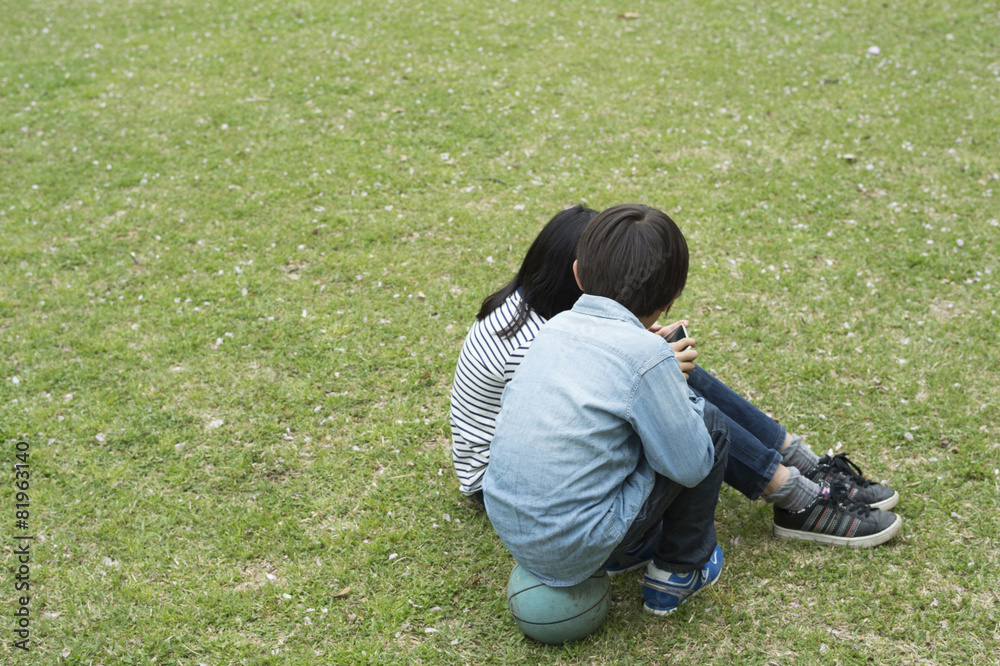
214,423
874,50
99,437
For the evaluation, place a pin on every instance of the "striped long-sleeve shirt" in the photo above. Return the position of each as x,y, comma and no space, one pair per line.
485,365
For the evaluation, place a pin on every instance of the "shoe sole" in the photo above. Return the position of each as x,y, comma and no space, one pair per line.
867,541
664,612
887,503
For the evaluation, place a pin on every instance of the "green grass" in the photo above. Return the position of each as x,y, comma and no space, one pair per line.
242,245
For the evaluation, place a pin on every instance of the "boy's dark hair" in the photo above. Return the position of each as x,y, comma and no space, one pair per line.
546,273
635,255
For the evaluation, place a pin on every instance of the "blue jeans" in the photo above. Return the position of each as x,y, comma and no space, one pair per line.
755,440
687,514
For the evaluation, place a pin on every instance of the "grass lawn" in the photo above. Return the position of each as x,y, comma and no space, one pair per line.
242,244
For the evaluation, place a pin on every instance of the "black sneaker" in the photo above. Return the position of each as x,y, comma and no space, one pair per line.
837,520
841,469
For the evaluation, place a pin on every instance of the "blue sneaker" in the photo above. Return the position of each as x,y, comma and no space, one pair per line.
637,556
663,592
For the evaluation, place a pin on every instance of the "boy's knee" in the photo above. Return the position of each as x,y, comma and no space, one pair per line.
718,429
715,420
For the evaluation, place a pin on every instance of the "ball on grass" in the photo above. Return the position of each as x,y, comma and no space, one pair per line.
557,615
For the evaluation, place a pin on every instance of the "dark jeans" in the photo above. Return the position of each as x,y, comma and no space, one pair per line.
755,440
687,514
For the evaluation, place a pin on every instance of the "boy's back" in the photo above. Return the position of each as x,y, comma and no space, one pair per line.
597,408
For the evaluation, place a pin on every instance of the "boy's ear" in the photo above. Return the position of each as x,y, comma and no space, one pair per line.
577,276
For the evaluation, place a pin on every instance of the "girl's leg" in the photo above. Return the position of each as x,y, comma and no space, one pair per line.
755,440
751,464
740,410
795,452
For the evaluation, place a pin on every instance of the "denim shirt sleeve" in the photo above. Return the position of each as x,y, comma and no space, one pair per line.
669,420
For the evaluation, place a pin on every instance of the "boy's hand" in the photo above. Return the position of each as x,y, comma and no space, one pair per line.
665,331
686,357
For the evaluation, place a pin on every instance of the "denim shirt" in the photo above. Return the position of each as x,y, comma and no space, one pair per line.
597,408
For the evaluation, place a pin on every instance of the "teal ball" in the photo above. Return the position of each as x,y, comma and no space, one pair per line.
557,615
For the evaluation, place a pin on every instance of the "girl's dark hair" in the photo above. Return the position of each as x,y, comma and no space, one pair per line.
634,255
546,274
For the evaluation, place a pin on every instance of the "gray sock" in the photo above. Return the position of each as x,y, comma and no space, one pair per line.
797,493
800,456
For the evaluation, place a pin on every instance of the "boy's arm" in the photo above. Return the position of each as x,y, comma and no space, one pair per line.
670,422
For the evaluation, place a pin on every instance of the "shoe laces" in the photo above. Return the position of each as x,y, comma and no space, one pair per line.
840,494
841,464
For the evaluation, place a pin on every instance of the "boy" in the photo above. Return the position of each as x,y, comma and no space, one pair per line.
599,439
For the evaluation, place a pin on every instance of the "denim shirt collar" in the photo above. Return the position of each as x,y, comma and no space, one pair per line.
606,308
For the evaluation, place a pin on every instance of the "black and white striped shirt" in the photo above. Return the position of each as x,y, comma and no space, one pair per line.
485,365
